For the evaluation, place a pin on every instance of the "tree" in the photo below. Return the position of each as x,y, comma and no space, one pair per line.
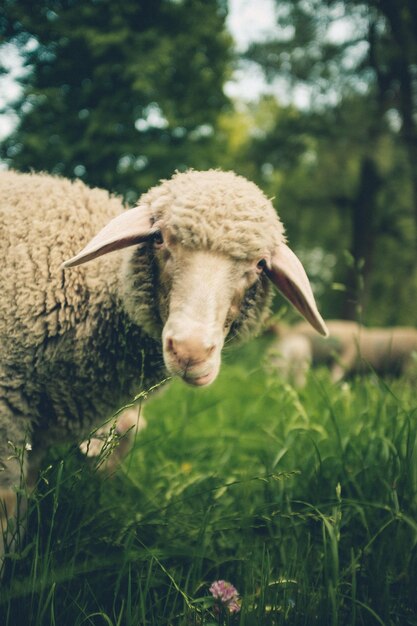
369,71
119,93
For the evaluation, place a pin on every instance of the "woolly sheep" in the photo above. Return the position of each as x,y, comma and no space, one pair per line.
352,347
202,250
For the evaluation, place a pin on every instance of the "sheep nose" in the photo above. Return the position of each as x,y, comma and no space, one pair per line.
190,350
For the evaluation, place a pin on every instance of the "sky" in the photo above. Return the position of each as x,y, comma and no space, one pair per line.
249,21
255,20
9,89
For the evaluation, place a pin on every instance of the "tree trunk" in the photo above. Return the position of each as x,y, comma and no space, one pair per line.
402,19
363,235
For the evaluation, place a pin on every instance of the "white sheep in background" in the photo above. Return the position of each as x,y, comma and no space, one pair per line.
290,356
351,348
203,249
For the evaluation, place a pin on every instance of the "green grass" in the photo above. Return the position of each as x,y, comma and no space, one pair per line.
305,500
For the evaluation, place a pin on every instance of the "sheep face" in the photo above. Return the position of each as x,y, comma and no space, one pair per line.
202,296
215,240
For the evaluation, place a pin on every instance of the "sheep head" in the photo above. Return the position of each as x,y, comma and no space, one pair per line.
215,239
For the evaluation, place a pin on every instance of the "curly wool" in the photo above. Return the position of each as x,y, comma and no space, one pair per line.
70,356
217,210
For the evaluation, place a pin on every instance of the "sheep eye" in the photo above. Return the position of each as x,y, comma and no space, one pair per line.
227,323
261,265
158,238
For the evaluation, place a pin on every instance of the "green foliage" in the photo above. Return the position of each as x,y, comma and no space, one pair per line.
351,176
305,501
313,163
118,93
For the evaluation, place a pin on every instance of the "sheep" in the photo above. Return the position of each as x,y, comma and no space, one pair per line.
200,252
352,347
290,356
110,443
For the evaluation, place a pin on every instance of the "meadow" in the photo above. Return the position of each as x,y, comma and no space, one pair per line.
305,500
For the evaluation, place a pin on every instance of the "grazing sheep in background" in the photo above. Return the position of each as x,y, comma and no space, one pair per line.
204,248
291,356
352,347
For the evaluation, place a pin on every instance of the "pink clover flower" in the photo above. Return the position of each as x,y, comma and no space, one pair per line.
227,594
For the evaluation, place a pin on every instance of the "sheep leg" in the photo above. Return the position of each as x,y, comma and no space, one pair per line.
8,510
13,503
128,424
291,358
15,442
345,363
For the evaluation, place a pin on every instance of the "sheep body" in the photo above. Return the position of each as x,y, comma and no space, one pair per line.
77,344
352,347
62,334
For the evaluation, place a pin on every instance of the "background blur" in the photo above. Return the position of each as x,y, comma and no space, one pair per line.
121,93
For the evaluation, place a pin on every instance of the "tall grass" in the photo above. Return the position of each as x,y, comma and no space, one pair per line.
305,501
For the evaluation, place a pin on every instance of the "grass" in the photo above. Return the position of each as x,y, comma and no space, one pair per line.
305,501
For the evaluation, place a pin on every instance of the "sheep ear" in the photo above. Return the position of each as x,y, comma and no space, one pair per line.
127,229
288,275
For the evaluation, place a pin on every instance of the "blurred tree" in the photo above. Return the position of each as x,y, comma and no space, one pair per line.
357,60
118,92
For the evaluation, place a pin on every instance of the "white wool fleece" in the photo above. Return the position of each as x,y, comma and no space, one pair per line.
233,215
